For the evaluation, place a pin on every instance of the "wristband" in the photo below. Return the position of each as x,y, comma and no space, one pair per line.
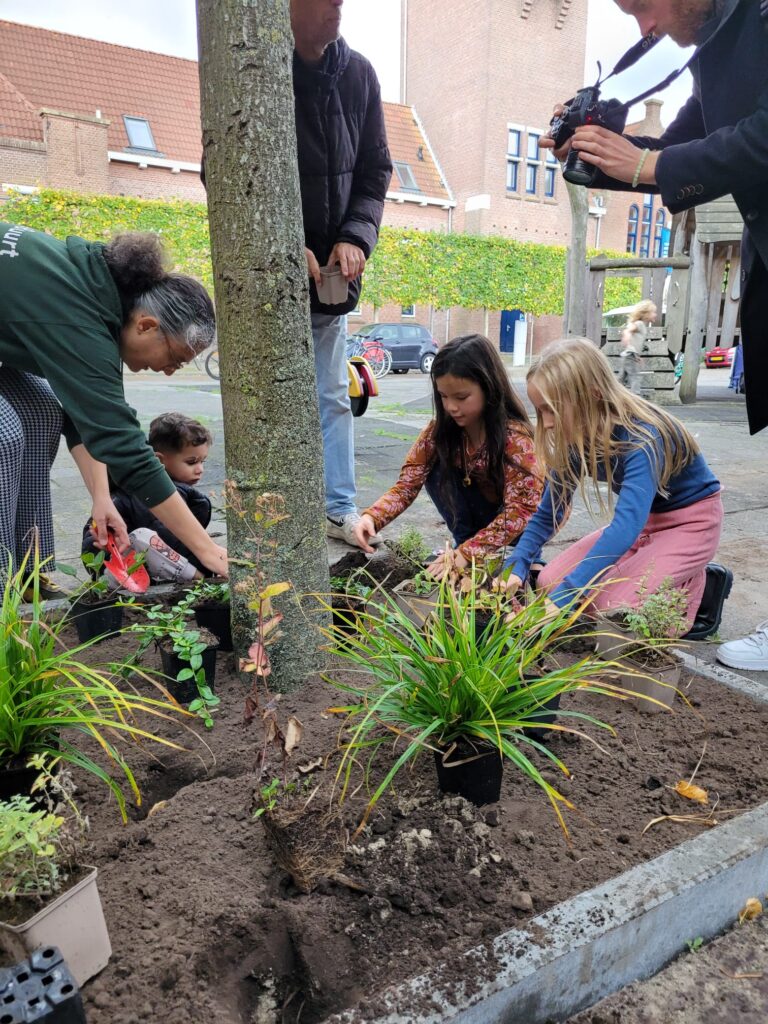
638,169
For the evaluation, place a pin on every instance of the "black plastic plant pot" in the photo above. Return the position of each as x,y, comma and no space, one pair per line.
40,990
17,780
216,617
96,619
546,716
186,690
473,770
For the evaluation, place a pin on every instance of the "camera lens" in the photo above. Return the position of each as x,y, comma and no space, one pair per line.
577,171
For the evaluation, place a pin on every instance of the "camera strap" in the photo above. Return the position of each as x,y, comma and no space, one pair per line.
633,55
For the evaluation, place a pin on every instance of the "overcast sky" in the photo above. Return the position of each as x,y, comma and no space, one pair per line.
371,26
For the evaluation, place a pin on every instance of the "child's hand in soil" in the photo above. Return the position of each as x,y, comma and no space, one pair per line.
364,530
446,561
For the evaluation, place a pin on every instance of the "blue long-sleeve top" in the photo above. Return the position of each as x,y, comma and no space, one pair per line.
635,473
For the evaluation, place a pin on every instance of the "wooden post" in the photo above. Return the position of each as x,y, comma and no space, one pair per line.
575,320
697,322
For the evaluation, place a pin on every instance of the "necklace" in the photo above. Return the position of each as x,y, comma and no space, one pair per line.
467,461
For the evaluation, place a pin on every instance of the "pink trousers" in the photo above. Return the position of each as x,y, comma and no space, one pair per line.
677,544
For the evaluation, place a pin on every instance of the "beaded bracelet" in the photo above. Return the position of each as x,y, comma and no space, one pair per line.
639,167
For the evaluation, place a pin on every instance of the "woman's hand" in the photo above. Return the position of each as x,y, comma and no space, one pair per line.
363,530
445,562
215,559
105,517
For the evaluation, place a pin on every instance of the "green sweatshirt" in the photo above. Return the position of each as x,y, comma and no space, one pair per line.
60,318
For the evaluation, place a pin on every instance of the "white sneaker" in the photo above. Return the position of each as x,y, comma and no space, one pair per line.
750,652
344,529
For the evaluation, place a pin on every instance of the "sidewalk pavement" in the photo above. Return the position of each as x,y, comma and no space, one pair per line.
393,420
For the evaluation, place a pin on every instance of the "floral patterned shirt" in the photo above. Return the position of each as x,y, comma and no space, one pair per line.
522,489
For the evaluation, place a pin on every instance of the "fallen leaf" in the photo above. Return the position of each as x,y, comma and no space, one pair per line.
683,819
156,807
293,733
752,908
691,792
741,975
311,765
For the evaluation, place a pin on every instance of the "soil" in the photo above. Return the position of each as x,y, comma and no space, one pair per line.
205,926
721,983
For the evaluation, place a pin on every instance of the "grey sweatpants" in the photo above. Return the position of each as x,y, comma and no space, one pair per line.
30,430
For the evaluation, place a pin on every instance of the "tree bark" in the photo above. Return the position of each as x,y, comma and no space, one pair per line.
575,321
271,422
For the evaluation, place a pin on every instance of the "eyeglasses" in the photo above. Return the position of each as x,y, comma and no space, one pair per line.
175,362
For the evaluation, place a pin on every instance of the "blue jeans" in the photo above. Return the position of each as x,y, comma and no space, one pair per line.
329,334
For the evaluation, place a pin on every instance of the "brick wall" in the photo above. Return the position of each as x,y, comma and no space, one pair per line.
76,149
154,182
23,163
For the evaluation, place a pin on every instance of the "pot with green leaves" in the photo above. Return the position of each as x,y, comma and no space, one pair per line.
188,655
348,597
417,598
433,687
213,610
49,697
46,899
639,641
95,609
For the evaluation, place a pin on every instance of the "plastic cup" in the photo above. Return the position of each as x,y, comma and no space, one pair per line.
333,289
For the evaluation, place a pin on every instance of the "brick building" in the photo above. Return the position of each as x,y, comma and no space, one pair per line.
485,76
93,117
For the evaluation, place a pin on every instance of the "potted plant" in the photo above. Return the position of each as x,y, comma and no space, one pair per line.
48,696
212,609
45,898
436,687
188,655
305,832
95,609
348,597
411,547
640,640
417,597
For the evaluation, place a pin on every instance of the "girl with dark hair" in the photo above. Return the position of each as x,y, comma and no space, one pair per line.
475,458
71,314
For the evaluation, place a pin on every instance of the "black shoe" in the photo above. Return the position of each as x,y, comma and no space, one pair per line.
716,590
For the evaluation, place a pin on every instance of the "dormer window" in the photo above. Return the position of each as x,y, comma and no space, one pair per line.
405,177
139,134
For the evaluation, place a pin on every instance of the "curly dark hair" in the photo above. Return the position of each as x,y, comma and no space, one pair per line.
172,431
181,305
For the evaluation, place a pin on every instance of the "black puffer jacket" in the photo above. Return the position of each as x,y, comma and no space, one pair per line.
344,163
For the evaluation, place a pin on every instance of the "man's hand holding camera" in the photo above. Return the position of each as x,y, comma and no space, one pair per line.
611,153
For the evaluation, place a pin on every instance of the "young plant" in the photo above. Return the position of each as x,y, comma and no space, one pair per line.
410,546
172,625
661,616
212,590
45,688
30,841
422,584
454,679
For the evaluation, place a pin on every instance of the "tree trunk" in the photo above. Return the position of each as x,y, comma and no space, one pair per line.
575,320
271,422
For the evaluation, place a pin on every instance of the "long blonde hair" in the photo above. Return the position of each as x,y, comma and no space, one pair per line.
588,403
645,311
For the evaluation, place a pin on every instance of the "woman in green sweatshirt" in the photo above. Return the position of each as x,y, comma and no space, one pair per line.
71,314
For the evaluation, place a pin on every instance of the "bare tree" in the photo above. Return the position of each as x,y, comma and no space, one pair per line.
271,422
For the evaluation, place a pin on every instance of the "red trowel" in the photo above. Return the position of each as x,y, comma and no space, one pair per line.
123,567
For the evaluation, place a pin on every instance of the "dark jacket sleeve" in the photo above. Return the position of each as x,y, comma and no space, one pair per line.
373,171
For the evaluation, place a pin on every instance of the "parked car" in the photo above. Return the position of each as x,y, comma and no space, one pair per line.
718,356
412,346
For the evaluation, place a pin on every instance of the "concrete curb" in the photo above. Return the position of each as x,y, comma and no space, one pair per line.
596,943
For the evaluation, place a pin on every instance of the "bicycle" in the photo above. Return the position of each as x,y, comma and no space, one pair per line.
212,364
371,349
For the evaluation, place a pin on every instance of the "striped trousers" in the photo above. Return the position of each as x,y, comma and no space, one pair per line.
30,430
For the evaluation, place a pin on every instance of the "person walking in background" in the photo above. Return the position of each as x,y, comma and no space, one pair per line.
475,458
634,342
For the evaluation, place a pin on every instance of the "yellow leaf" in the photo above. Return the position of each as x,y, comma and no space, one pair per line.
156,807
691,792
752,908
274,590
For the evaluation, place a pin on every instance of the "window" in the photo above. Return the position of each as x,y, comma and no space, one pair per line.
659,235
139,133
550,174
406,178
356,311
645,234
513,158
408,310
532,163
634,215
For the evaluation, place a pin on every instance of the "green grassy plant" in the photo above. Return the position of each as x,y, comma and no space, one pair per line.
30,841
474,671
46,691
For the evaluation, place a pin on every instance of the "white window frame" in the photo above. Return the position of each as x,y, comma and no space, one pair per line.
514,158
408,316
145,120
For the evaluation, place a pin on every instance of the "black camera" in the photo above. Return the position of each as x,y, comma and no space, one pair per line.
586,107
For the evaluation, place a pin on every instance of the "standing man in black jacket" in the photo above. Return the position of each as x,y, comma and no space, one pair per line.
717,144
344,170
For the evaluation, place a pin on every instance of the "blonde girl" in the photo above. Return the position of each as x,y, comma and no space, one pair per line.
633,343
663,499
